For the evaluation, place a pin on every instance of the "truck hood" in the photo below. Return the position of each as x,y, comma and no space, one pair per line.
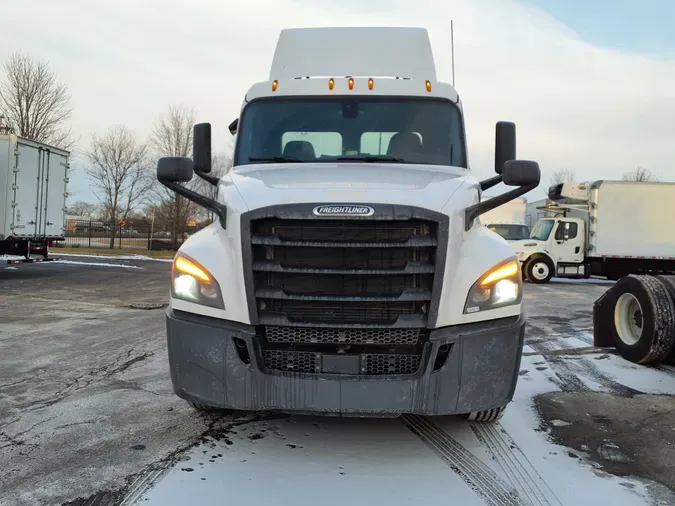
416,185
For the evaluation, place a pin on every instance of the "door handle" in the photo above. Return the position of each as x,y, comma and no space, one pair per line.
576,250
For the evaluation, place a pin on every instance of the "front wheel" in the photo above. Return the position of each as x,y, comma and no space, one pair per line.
489,415
539,270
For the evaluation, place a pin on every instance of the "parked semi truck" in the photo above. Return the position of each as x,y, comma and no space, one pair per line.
508,220
347,272
605,228
33,182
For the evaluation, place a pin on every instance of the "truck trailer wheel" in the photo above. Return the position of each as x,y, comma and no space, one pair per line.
205,408
644,319
539,269
489,415
669,283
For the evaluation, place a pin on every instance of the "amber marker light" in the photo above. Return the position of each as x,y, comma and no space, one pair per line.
351,83
428,85
275,85
331,83
371,83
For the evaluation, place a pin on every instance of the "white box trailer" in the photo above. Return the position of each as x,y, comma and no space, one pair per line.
609,228
507,220
33,192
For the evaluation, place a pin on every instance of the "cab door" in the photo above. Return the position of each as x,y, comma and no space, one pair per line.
568,241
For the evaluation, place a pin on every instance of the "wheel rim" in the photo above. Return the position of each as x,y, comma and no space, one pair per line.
628,319
540,270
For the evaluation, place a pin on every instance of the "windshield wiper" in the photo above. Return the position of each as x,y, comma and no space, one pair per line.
370,159
274,159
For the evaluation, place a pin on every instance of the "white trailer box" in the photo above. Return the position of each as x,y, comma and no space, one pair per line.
507,220
33,180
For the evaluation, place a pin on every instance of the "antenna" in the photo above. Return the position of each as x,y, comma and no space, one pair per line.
452,49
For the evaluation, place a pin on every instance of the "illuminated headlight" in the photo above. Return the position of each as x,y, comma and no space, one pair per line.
500,286
193,283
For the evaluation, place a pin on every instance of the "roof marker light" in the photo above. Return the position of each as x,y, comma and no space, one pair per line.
331,83
371,83
275,85
351,83
428,85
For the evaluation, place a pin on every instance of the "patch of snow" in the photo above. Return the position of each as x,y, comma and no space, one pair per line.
10,257
117,257
11,268
560,423
97,264
639,377
594,281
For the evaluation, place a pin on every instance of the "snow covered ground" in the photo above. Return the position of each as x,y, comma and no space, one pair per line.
88,416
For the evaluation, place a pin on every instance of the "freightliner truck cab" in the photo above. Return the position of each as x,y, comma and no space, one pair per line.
347,272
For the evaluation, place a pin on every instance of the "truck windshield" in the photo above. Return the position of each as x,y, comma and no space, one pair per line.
542,229
511,232
351,129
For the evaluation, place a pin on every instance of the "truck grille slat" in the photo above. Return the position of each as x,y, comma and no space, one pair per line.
408,295
413,242
304,362
410,268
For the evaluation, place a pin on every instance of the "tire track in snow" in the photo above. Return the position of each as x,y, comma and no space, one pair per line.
474,472
523,476
570,371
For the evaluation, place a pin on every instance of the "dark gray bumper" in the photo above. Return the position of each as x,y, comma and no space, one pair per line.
480,373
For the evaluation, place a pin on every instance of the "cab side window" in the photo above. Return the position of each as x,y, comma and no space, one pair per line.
571,228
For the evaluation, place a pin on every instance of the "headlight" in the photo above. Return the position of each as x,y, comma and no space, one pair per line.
500,286
193,283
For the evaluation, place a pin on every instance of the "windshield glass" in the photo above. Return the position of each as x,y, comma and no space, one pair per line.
542,230
345,129
511,232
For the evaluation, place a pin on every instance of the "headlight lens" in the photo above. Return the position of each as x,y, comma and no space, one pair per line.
193,283
500,286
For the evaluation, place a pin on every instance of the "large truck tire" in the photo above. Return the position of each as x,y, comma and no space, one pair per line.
643,316
669,283
489,415
539,269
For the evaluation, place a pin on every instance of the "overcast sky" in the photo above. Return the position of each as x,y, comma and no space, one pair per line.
591,85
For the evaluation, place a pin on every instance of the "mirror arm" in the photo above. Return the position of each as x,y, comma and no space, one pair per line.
474,211
219,209
489,183
208,178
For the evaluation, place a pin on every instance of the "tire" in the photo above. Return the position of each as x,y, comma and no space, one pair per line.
669,283
643,317
539,270
489,415
205,408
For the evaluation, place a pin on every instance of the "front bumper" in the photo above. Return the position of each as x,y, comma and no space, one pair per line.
480,373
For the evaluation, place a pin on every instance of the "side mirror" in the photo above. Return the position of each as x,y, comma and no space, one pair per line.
201,147
233,126
521,173
505,144
175,169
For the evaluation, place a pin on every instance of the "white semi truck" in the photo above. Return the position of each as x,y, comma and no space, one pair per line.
347,272
605,228
508,220
33,192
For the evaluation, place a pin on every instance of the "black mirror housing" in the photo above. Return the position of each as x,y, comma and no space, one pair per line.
175,169
521,173
201,147
505,144
234,126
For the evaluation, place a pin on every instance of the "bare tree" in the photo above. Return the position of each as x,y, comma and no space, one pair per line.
86,210
641,174
34,103
119,172
563,176
172,136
